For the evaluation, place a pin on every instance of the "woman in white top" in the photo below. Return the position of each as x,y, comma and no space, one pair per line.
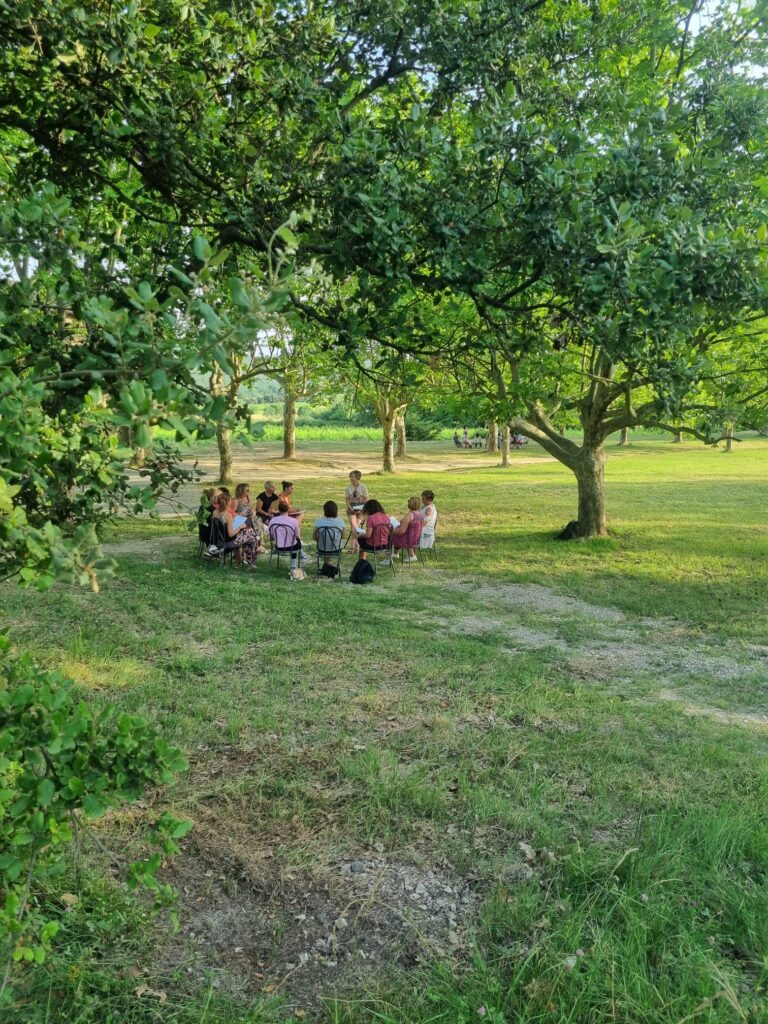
355,495
429,512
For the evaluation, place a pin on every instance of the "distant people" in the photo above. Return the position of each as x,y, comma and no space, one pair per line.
284,532
477,440
373,535
406,535
465,438
355,496
500,440
456,439
266,502
329,532
240,536
429,512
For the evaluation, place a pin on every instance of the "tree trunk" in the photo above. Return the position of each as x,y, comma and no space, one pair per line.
505,446
677,437
289,424
590,477
388,450
387,413
224,441
493,437
729,437
624,437
402,444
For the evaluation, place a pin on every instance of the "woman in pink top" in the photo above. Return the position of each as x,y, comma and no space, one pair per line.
377,527
407,534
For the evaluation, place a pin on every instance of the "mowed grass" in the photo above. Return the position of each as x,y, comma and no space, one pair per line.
422,718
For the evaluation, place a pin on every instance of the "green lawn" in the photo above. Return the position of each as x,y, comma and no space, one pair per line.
604,704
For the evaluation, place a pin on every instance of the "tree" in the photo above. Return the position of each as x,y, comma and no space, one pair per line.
598,222
580,173
78,365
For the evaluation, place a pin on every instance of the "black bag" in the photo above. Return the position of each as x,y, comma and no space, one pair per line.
362,572
572,531
332,571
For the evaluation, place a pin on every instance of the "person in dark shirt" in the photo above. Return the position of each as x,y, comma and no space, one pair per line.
265,502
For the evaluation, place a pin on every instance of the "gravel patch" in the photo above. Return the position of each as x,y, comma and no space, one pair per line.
304,934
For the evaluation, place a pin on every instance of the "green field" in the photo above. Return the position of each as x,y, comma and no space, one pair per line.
524,782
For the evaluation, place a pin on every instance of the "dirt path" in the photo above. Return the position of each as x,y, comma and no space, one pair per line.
602,644
257,463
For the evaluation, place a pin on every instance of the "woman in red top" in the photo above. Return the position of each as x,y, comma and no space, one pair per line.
377,528
287,497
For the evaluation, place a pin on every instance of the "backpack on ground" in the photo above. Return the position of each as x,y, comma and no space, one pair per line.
297,574
362,572
331,571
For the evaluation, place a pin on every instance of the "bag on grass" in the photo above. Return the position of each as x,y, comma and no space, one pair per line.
332,571
362,572
297,574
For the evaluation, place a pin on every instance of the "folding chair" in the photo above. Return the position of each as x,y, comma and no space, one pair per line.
412,540
381,542
204,522
281,541
221,542
428,542
329,546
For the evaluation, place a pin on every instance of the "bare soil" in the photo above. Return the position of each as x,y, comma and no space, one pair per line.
260,925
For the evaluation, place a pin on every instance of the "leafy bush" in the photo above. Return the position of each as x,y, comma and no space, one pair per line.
63,763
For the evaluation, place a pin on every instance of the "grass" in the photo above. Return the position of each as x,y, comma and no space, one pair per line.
511,692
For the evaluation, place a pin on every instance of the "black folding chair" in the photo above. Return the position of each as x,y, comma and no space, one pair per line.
282,541
381,544
329,547
204,520
220,541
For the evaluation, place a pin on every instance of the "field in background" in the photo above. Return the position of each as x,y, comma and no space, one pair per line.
523,783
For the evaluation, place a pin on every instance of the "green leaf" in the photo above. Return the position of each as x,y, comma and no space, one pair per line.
46,790
201,248
288,236
92,806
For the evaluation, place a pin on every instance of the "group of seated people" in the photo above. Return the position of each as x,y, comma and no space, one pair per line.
478,441
229,521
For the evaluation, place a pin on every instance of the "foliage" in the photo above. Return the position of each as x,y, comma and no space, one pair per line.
62,762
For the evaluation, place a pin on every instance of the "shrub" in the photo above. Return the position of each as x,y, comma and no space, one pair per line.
61,764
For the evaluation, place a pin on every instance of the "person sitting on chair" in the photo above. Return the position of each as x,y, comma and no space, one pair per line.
375,535
456,439
204,514
355,496
287,497
244,508
284,531
329,528
265,501
429,512
242,537
400,535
